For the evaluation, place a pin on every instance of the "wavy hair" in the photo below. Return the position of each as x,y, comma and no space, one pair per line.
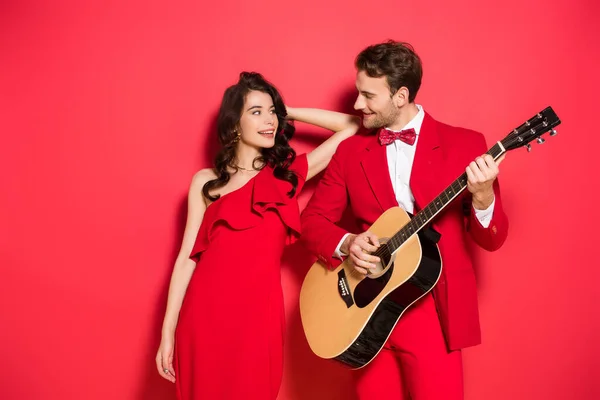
397,61
279,157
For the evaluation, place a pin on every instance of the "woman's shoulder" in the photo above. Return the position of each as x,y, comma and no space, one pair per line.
203,176
198,181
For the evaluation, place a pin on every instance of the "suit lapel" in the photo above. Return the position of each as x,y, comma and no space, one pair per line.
427,179
375,167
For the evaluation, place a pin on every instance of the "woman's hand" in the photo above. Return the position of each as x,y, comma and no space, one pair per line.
164,358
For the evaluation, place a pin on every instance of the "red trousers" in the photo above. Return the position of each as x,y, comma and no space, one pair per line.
415,363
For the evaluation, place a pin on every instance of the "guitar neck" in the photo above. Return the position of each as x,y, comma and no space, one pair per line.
427,214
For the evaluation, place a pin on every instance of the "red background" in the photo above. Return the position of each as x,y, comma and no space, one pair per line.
107,109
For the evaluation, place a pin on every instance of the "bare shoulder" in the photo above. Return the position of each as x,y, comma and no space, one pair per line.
203,176
195,195
198,181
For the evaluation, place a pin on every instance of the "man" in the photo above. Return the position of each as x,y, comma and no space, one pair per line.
406,160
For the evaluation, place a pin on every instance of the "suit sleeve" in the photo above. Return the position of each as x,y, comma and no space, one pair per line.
320,234
492,237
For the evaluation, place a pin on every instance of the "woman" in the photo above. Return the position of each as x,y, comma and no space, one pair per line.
223,328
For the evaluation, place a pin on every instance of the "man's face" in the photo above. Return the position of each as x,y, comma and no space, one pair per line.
375,101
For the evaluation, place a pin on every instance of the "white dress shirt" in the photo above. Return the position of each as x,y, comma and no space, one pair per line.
400,157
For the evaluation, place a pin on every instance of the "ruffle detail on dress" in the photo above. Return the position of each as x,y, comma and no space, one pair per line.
244,208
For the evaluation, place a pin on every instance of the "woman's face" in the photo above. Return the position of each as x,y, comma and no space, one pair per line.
258,122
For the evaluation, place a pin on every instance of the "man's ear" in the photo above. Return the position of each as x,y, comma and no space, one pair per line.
400,98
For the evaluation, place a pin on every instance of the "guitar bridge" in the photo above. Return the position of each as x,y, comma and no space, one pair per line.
344,289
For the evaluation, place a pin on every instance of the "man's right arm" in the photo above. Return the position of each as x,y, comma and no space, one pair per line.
320,234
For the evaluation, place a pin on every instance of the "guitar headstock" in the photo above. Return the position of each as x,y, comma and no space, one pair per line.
533,128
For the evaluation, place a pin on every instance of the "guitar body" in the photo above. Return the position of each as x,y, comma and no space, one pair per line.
348,316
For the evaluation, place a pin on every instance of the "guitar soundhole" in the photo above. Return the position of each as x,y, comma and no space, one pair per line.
366,291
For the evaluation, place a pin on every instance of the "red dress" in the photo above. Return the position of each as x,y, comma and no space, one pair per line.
229,337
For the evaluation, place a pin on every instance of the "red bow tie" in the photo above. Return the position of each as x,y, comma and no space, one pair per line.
386,136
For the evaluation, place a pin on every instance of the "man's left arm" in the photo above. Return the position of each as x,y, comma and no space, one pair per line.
487,223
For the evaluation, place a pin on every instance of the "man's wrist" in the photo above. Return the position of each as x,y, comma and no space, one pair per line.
345,247
482,201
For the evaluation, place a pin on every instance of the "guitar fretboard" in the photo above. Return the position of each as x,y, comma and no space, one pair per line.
423,217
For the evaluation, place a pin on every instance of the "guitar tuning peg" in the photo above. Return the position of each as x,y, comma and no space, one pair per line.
528,147
553,132
541,140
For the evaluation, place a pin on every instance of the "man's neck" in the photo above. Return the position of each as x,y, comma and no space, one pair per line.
407,113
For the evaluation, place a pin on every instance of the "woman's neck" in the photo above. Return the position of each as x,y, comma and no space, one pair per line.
245,156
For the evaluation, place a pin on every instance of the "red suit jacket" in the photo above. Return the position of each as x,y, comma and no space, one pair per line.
358,177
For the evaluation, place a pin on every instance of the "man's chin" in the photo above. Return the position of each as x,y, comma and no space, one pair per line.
372,124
